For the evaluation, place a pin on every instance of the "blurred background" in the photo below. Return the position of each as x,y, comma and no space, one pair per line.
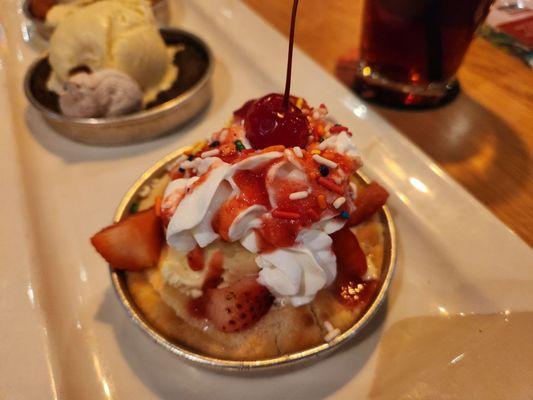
483,138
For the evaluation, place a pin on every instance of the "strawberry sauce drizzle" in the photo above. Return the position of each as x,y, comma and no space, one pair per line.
212,279
195,259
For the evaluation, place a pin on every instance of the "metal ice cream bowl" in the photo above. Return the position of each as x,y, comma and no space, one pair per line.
159,8
161,119
119,280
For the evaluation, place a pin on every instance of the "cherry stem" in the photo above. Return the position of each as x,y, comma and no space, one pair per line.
289,58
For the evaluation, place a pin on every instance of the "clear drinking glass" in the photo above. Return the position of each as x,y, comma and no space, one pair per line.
411,49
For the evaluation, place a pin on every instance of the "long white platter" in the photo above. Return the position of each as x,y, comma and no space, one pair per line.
64,334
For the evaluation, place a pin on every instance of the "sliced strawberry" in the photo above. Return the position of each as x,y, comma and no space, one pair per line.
238,306
133,243
351,261
195,259
369,200
351,266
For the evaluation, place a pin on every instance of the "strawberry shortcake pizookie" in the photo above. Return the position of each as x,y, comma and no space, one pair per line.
260,241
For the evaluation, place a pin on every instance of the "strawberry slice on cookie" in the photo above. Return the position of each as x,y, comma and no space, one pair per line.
239,305
131,244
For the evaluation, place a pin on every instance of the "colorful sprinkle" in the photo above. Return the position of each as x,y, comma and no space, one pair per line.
337,128
298,195
324,171
199,146
315,151
345,215
322,201
239,145
210,153
330,185
324,161
353,192
157,205
214,143
339,201
285,214
277,147
134,208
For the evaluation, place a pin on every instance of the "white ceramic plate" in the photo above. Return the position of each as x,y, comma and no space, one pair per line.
64,334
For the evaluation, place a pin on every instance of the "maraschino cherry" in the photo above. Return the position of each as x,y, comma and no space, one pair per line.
273,119
268,123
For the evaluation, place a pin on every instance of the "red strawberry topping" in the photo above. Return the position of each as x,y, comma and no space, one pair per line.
133,243
349,285
369,200
195,259
238,306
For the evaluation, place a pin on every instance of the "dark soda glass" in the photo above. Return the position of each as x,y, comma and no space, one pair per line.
411,49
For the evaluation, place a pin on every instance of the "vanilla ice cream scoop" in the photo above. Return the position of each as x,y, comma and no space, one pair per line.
121,35
104,93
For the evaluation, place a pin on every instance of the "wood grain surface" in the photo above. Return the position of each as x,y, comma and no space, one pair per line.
483,139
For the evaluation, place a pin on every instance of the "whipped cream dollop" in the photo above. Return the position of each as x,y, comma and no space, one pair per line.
297,273
104,93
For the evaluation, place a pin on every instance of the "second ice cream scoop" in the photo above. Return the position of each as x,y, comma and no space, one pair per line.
104,93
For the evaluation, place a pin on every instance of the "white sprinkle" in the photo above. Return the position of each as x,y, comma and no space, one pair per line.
145,191
298,151
353,192
324,161
341,173
316,114
337,179
328,326
332,335
339,201
210,153
288,153
298,195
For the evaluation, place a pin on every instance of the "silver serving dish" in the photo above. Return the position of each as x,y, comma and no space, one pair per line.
140,126
160,10
121,288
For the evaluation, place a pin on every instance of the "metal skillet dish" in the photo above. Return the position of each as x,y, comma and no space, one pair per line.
134,196
189,94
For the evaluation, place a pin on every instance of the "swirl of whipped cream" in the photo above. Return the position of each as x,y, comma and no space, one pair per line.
190,225
199,199
297,273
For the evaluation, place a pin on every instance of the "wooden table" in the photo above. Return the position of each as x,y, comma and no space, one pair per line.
484,139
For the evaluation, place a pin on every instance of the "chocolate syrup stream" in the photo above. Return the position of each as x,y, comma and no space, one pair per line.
289,58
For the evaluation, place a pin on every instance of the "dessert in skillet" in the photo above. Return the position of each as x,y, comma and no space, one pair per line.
259,242
108,59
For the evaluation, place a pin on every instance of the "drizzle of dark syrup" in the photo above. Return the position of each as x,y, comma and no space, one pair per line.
274,119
